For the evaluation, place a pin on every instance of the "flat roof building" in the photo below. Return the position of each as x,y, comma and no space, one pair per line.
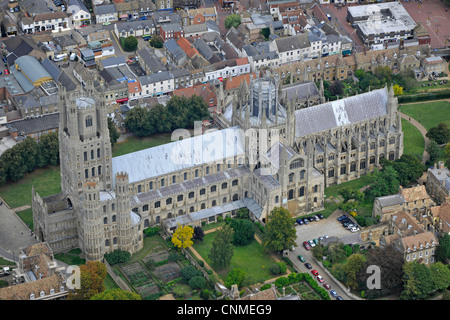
381,22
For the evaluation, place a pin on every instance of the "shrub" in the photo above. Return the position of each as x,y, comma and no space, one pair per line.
282,267
151,231
205,294
265,286
197,282
275,269
117,256
189,272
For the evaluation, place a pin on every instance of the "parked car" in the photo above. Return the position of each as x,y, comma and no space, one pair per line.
339,298
6,71
301,258
316,217
308,266
342,217
306,245
299,221
314,272
320,279
320,216
316,241
333,293
326,286
311,219
305,221
311,243
106,23
351,225
354,229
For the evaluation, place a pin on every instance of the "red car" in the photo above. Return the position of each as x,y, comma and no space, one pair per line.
6,71
306,245
314,272
320,279
327,286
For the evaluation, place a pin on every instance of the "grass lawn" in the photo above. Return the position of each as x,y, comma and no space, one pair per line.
256,268
46,181
133,143
27,217
413,142
429,114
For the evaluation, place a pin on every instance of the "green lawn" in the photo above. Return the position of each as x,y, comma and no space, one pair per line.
256,268
133,143
413,142
46,181
27,217
429,114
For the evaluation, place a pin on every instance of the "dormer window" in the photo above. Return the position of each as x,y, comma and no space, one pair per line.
32,296
42,294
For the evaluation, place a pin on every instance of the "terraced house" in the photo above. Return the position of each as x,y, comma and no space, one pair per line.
266,154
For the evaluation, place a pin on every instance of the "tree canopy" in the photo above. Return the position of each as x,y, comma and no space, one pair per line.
182,237
440,133
116,294
130,43
280,230
93,275
180,112
232,20
222,249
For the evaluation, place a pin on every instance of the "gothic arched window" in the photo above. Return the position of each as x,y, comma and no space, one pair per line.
88,121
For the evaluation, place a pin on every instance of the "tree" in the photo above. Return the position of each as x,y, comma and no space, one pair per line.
159,119
265,32
397,90
336,88
233,20
156,42
352,268
137,121
130,43
442,252
335,252
384,74
418,281
390,261
384,182
235,276
28,150
222,249
441,275
113,132
182,237
188,272
116,294
49,149
197,282
198,233
92,279
408,168
280,230
117,256
244,231
434,150
440,133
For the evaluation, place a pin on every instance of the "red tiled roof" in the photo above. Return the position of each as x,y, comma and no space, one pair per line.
187,47
241,61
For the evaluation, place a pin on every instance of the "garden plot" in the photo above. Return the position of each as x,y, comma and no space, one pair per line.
139,279
168,272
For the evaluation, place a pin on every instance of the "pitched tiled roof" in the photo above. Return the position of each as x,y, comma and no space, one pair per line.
414,193
187,47
418,240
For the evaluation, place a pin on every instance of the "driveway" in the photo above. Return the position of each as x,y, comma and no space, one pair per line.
329,227
14,234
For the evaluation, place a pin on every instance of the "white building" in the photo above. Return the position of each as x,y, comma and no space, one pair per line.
79,14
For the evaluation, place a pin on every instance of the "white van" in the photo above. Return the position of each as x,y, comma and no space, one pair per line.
60,57
73,56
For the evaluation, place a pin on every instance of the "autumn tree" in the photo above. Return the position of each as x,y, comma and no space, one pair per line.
92,278
222,249
397,90
116,294
280,231
182,237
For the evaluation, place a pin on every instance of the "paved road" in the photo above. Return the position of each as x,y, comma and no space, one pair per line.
329,227
14,234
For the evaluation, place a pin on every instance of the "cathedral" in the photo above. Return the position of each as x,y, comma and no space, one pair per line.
269,151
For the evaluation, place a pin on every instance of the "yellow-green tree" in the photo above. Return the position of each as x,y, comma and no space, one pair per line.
398,90
116,294
182,237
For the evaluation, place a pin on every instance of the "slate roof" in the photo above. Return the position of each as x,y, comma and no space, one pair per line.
179,155
341,112
301,90
31,125
292,43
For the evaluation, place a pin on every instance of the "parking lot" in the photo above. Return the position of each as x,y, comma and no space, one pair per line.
329,227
